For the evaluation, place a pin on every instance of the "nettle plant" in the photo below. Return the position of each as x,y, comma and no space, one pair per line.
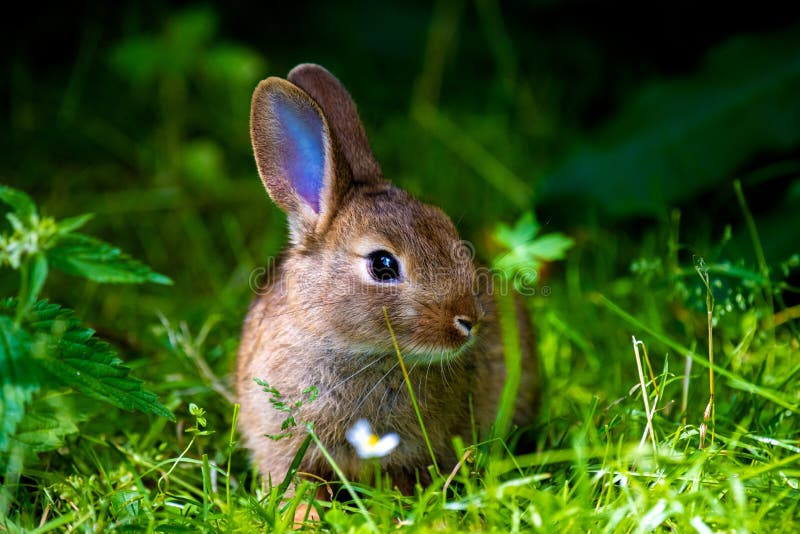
52,368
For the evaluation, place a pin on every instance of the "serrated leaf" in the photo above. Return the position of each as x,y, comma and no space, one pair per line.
17,379
126,506
43,432
75,358
97,380
83,255
22,205
48,421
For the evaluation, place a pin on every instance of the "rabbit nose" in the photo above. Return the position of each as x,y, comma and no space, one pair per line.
464,325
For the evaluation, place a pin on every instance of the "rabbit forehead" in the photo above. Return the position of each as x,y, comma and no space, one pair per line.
394,220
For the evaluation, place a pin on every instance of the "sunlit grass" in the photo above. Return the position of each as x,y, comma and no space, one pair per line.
598,466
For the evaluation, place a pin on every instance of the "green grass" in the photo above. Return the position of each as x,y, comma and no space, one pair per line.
178,190
596,467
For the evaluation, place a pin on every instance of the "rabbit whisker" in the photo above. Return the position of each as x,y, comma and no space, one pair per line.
361,370
368,393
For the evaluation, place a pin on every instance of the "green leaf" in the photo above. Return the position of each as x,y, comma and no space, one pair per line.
83,255
126,506
233,65
34,274
526,252
525,230
104,379
48,421
550,247
18,381
75,358
71,224
21,204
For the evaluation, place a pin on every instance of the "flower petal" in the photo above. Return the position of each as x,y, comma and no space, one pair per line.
369,445
386,444
359,434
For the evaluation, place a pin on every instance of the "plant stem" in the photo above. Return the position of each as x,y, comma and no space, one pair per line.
345,482
710,411
230,454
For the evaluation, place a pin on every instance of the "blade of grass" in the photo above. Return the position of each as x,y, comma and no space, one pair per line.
231,442
687,369
539,459
710,411
512,354
645,399
757,247
345,482
442,37
207,489
760,258
301,452
493,171
57,523
411,392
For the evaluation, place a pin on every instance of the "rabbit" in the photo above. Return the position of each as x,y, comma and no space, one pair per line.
359,245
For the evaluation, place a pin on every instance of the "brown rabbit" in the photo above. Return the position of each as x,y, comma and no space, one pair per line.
359,245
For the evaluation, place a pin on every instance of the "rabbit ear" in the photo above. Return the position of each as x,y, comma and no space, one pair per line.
295,154
342,116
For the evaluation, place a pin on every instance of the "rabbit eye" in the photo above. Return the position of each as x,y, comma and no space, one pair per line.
383,267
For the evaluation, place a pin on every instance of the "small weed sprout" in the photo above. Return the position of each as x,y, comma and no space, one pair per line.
290,407
200,422
526,251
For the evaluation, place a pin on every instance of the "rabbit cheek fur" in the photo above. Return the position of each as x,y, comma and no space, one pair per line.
320,320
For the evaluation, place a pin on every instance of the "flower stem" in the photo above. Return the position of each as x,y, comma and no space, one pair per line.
346,483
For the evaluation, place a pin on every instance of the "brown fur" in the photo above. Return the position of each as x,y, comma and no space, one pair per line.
320,320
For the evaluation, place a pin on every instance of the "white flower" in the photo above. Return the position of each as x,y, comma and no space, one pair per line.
368,444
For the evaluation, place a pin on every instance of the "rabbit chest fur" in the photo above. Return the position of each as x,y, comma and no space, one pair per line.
362,251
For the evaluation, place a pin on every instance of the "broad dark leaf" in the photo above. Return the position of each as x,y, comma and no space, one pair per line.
677,138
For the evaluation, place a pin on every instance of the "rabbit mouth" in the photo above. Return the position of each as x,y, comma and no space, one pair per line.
429,355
